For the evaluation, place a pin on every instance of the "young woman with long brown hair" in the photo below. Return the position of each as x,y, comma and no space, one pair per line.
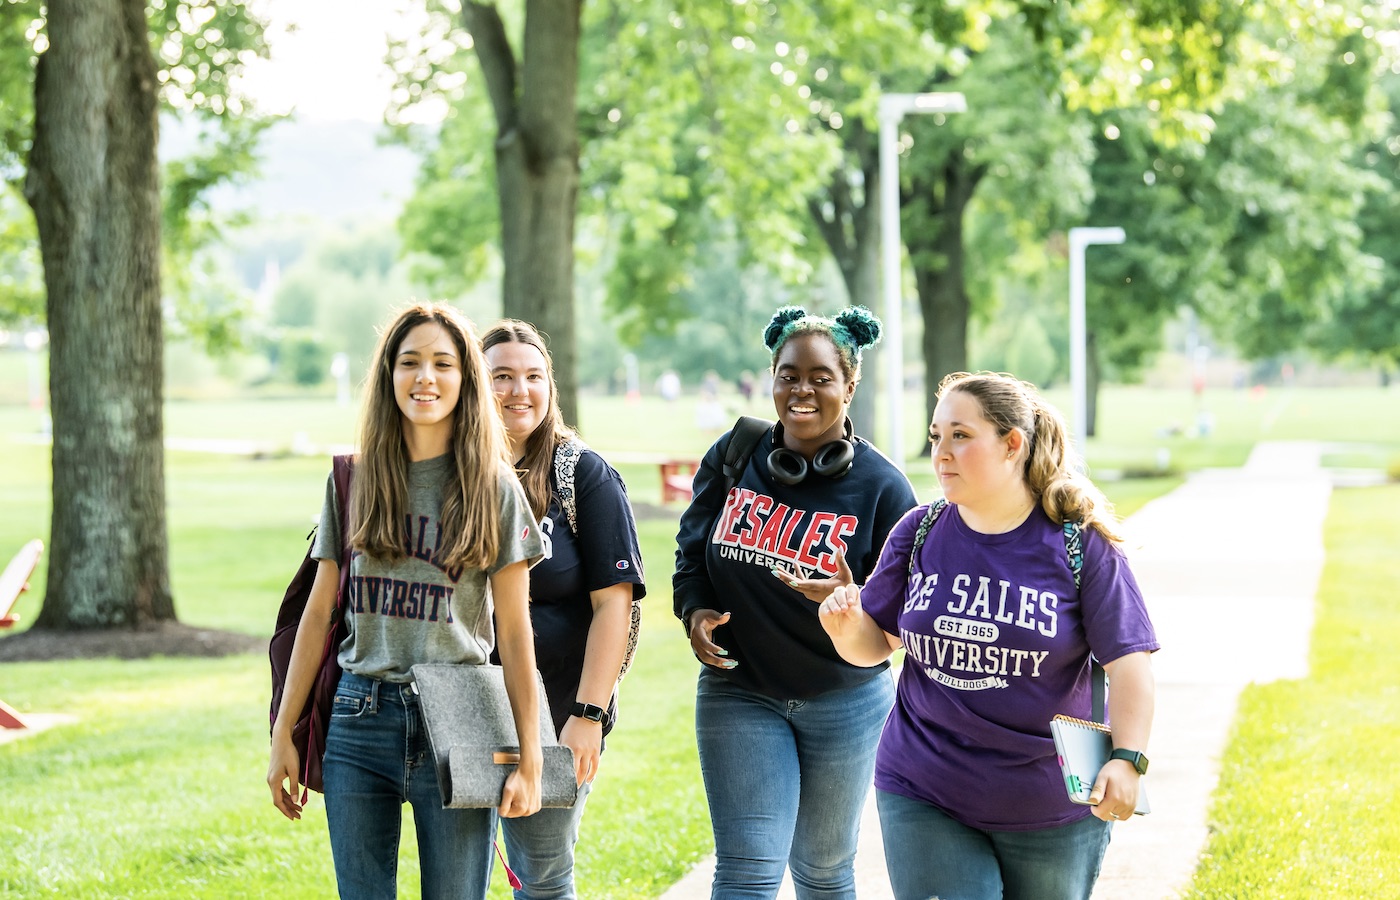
441,538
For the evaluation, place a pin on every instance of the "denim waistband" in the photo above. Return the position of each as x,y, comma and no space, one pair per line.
378,689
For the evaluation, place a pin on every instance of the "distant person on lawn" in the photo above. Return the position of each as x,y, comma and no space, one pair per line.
786,728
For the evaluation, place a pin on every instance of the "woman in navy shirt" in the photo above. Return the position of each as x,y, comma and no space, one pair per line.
786,728
583,594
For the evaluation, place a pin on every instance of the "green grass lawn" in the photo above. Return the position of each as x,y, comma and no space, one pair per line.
158,789
1308,803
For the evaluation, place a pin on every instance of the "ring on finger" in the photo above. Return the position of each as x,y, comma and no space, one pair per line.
1113,815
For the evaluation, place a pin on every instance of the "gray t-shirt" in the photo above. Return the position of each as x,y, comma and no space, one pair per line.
416,609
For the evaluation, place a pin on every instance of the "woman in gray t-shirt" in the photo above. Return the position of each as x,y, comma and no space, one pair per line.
440,540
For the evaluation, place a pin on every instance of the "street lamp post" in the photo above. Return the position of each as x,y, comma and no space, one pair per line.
1079,238
893,109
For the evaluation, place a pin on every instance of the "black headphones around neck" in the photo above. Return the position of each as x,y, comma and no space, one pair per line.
832,460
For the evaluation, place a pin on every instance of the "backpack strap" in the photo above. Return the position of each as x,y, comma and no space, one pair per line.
935,509
743,440
342,471
1098,676
566,457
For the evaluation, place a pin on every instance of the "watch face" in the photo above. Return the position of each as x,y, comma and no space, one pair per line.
589,711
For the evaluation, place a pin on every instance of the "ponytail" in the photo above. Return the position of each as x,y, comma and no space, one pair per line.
1053,470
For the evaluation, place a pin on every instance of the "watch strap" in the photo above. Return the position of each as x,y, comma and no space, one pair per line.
1138,760
592,713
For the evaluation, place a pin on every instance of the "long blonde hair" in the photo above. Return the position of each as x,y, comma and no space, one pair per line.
1052,469
537,462
470,515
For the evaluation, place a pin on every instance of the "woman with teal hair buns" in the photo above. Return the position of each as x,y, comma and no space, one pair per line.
786,728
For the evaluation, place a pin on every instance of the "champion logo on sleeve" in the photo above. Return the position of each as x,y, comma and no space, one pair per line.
623,564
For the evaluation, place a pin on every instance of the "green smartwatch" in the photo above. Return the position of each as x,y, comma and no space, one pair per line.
1139,760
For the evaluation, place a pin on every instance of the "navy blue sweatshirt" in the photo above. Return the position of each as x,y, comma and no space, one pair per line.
728,544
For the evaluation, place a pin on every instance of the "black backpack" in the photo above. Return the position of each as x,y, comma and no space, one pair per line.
743,440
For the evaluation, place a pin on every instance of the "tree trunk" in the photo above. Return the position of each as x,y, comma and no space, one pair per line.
537,169
937,251
93,184
849,225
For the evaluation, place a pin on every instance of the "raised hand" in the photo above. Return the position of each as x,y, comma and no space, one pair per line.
817,589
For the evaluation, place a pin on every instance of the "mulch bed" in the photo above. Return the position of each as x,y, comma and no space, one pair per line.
165,639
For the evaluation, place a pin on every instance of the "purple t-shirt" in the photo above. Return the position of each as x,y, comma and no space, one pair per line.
997,643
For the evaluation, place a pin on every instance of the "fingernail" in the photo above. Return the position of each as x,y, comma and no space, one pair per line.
729,663
721,652
777,572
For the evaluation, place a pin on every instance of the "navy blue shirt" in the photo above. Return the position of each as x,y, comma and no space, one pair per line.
603,553
728,544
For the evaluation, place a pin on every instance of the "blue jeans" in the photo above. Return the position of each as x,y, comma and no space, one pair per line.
540,850
929,854
377,759
786,781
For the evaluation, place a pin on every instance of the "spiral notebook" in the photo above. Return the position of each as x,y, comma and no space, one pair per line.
1083,748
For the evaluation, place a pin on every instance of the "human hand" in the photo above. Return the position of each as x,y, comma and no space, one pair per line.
841,612
585,738
817,589
282,770
521,795
703,623
1115,792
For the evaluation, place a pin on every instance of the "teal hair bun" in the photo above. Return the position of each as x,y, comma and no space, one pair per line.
863,326
785,316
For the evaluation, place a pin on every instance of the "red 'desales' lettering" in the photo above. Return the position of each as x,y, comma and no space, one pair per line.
804,540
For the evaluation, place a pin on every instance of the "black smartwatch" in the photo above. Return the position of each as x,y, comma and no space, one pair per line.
591,713
1139,760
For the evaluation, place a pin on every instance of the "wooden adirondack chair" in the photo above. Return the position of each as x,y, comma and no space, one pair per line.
13,582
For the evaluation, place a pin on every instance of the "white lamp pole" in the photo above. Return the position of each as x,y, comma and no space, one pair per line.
1079,238
893,109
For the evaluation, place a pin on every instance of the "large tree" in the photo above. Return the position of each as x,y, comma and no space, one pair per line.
93,184
101,71
645,154
1254,229
534,97
1365,323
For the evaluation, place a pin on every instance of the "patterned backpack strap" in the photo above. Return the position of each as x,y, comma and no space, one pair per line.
566,457
1074,547
935,509
1098,677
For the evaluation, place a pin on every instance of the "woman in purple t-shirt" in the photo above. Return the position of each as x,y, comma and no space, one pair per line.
997,640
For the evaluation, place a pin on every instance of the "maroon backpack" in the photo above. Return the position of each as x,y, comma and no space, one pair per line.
309,733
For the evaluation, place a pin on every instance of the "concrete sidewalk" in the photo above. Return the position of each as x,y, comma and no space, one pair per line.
1229,564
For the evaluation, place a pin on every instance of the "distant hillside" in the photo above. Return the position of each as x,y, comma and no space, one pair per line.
328,170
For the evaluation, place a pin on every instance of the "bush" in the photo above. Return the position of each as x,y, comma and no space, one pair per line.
304,360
